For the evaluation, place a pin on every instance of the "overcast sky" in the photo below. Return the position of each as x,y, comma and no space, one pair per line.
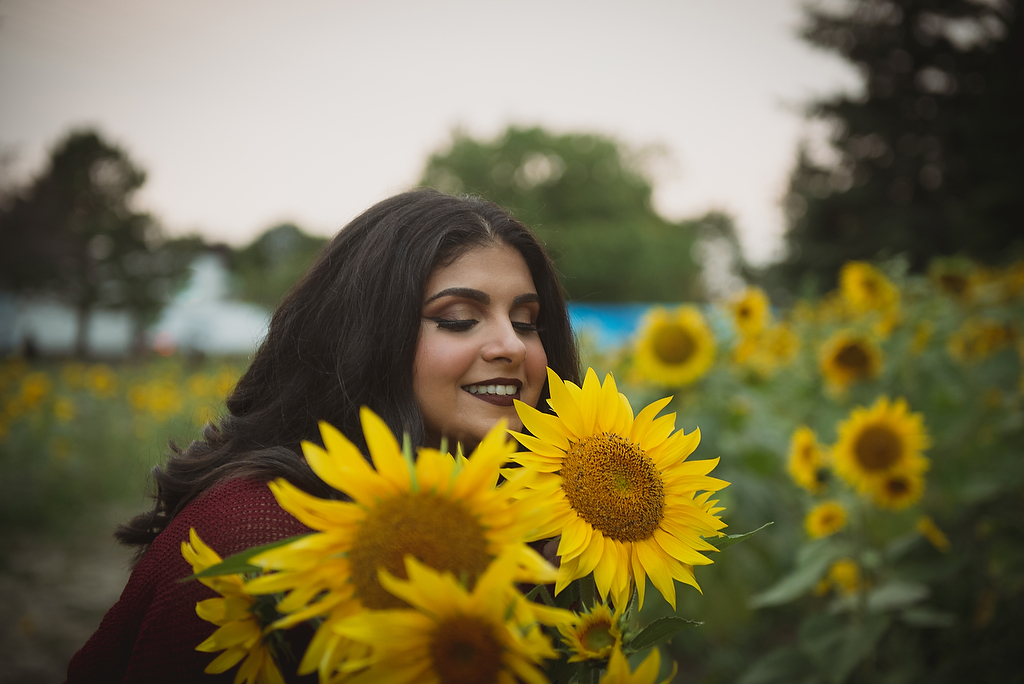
249,113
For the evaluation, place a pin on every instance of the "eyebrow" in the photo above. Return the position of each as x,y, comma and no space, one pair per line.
479,296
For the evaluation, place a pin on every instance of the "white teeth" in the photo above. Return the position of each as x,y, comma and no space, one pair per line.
499,390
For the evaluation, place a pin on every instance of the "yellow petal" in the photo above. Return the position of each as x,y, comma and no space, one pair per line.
565,405
384,449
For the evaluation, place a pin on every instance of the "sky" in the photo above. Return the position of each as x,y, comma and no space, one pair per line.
247,114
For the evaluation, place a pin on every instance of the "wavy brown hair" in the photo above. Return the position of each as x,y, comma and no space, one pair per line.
344,337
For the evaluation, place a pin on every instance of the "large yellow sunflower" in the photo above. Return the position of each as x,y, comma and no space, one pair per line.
879,442
806,463
618,489
444,511
674,347
826,518
848,357
593,634
239,632
750,312
489,635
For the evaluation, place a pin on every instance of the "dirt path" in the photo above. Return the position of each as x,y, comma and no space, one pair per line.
53,594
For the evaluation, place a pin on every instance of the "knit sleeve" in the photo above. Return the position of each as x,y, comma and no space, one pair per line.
151,633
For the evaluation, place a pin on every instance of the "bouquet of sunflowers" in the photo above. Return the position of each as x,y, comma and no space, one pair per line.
427,574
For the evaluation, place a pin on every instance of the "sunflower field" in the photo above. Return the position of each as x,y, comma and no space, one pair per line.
878,429
77,437
881,429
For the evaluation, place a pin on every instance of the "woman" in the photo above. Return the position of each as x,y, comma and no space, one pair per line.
434,311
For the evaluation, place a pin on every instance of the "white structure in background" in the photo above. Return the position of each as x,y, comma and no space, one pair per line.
49,326
198,319
202,319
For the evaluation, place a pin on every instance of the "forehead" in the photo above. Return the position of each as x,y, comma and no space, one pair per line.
490,268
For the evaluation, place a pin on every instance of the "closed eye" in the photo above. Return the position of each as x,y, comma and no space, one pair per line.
453,324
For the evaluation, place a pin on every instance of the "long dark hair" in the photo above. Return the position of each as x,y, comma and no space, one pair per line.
344,337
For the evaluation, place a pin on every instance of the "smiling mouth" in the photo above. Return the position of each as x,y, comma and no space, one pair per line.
499,393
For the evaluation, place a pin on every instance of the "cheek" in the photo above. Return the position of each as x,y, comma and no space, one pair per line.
536,370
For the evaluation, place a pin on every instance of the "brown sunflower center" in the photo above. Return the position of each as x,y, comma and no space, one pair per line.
437,531
897,486
853,357
744,312
808,453
613,485
597,636
465,650
877,448
674,344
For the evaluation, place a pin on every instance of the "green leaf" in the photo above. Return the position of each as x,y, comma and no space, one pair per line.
812,561
238,564
730,539
836,644
896,594
785,665
922,616
659,631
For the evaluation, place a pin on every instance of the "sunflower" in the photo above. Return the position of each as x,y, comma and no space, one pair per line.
750,312
879,442
897,490
843,575
848,357
645,673
619,490
444,511
592,635
978,338
864,288
675,347
452,636
953,277
806,463
930,531
825,519
239,632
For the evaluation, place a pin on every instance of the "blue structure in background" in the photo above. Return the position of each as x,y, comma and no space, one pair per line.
609,325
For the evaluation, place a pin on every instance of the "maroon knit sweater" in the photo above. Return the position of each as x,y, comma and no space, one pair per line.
151,633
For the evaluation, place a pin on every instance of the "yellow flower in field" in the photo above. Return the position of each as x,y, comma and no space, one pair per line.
978,338
825,519
806,463
843,575
930,531
592,635
619,490
922,335
489,635
864,288
34,388
101,381
952,277
897,490
239,633
774,348
675,347
848,357
64,409
750,311
645,673
444,511
876,443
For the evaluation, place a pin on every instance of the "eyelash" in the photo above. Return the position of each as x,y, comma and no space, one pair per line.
462,325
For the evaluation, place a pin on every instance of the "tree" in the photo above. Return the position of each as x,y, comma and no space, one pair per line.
589,200
929,157
72,232
265,269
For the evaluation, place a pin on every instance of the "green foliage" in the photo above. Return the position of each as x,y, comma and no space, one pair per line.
928,159
589,200
266,268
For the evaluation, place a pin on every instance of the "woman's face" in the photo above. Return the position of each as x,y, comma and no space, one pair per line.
478,346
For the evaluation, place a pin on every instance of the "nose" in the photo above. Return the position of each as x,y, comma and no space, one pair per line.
505,345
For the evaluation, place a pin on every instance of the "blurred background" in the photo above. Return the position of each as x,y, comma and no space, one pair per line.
167,171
